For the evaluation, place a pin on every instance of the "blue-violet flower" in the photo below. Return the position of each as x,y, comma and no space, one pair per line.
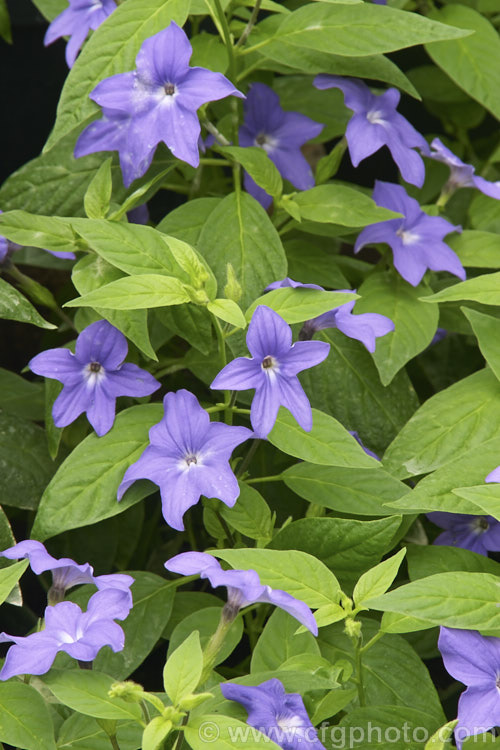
478,533
76,22
461,174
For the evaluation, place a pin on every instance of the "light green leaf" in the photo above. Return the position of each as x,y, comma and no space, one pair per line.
46,232
441,739
187,220
376,581
83,491
447,426
250,516
183,669
279,642
415,323
206,621
484,289
87,692
258,165
476,249
487,330
13,306
468,61
404,720
339,204
228,311
25,721
307,264
427,559
354,491
456,600
393,623
296,305
135,293
81,732
106,54
98,195
156,731
328,442
241,233
486,497
205,730
9,577
298,573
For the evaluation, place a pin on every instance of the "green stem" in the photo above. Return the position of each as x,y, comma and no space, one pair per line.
215,162
145,711
227,530
372,641
210,128
226,35
257,480
180,737
359,672
246,461
215,644
251,23
39,294
114,741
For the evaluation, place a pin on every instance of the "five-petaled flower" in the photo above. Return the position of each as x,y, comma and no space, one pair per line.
272,371
416,240
76,22
188,456
155,103
67,628
474,660
478,533
66,573
376,123
461,174
280,134
243,587
93,376
281,716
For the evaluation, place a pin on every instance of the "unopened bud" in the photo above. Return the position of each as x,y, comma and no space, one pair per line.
128,691
191,701
233,289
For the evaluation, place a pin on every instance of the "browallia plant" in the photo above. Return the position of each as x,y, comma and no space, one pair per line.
249,397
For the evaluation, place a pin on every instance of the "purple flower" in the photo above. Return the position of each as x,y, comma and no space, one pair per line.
272,371
76,22
281,716
93,377
280,134
365,327
376,123
155,103
461,174
477,533
188,456
139,214
416,240
67,628
474,660
243,586
65,572
493,476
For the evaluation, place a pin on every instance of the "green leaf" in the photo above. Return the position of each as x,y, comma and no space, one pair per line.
228,311
455,599
9,576
81,732
354,491
205,730
339,204
279,642
25,721
355,30
187,220
447,426
487,330
298,94
425,560
250,516
206,622
258,165
476,249
441,739
400,724
296,305
468,60
87,692
312,264
298,573
48,233
26,464
486,497
347,547
98,195
183,669
376,581
328,443
135,293
415,322
156,731
13,306
83,491
106,54
484,289
20,397
91,273
5,30
240,232
190,322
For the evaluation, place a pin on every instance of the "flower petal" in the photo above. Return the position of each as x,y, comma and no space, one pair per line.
268,334
265,406
59,364
239,375
101,342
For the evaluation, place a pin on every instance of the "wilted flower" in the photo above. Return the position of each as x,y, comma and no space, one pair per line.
477,533
188,456
280,134
474,660
155,103
93,377
416,240
76,22
461,174
243,586
272,371
281,716
376,123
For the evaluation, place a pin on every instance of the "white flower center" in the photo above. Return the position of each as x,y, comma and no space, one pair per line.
408,237
375,116
270,365
479,526
289,722
266,141
93,373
